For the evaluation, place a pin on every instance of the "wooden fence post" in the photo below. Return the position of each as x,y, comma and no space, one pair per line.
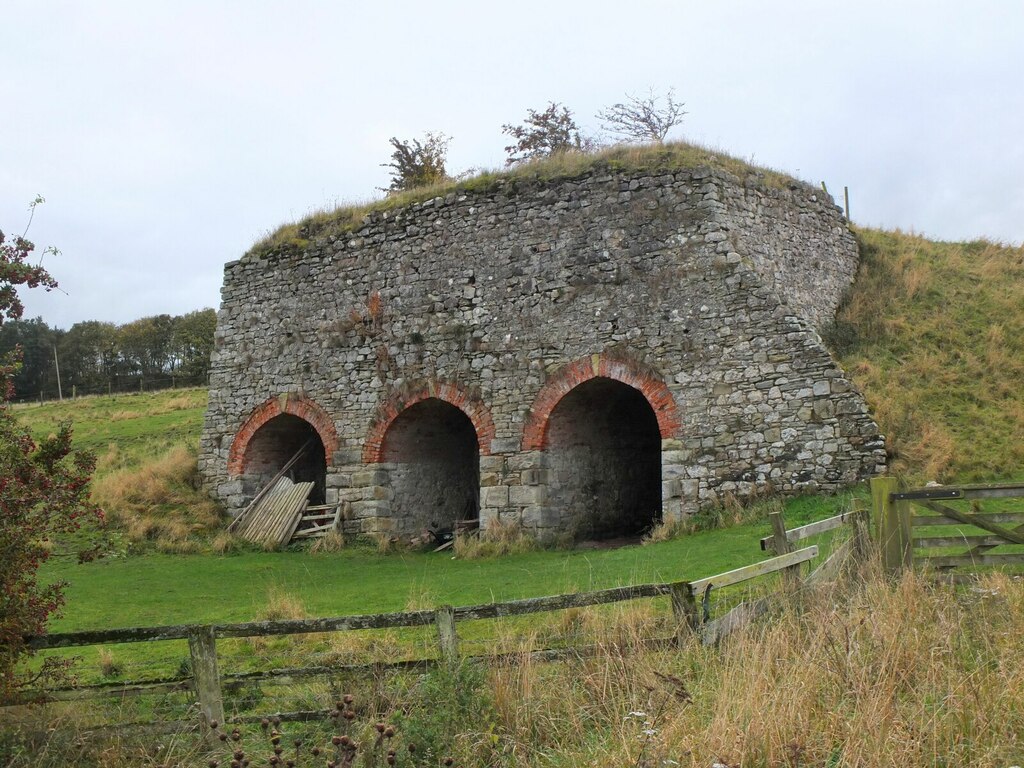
790,575
447,638
202,646
684,608
892,521
861,533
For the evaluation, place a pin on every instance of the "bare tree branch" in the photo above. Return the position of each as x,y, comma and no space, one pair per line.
643,119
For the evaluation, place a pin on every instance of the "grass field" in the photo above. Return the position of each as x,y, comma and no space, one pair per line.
220,588
138,425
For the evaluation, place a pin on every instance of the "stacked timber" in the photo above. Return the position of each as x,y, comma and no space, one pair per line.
272,520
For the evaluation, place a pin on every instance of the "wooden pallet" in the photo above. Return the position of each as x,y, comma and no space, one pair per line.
322,519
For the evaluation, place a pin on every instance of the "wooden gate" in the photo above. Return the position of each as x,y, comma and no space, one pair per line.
945,526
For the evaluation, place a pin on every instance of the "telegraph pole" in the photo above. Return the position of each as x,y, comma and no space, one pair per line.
60,393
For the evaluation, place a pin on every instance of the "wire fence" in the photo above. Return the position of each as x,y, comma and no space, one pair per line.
116,385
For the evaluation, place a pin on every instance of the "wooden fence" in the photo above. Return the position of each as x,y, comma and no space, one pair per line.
689,603
904,520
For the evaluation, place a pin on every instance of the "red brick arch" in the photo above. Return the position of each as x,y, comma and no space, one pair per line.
296,405
449,393
535,431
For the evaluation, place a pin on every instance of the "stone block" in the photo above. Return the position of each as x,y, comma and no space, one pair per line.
378,493
495,496
670,489
527,495
534,477
230,488
492,463
369,478
504,445
344,456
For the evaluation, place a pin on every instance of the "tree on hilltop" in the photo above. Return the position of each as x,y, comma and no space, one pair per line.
416,163
545,133
643,119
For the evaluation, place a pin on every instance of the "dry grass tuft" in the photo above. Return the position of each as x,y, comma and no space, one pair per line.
332,541
109,665
281,605
421,598
501,538
729,511
225,543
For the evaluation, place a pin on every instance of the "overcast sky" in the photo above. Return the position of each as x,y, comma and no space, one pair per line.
167,137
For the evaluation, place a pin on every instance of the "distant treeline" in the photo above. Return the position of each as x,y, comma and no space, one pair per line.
95,357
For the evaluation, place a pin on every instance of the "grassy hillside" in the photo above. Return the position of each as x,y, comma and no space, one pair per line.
139,425
146,476
933,334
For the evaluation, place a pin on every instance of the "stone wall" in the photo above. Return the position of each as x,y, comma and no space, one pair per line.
695,289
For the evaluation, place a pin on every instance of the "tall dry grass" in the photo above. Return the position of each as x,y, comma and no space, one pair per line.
865,672
158,501
876,673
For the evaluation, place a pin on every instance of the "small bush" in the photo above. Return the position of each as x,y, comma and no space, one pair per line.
450,711
109,665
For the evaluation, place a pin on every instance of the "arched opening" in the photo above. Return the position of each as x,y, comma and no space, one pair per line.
604,450
434,455
274,444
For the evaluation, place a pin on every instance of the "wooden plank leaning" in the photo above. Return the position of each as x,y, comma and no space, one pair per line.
263,491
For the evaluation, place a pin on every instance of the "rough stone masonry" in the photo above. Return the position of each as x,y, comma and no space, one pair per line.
584,357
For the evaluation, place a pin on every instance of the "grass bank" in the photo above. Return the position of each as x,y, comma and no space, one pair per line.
933,334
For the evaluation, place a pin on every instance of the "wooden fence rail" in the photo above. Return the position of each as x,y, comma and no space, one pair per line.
687,599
